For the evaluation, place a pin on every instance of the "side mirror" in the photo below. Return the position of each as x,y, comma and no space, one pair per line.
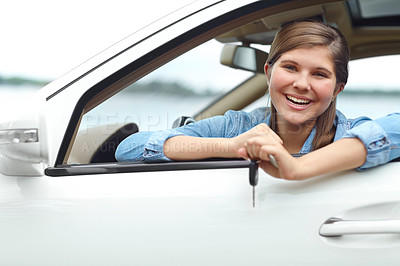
243,57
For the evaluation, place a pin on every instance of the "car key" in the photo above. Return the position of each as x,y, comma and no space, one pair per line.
253,178
253,175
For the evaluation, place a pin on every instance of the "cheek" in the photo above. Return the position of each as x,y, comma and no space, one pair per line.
274,92
325,93
278,81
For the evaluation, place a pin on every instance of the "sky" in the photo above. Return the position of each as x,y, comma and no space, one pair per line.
44,39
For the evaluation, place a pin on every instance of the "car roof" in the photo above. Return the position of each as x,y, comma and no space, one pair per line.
372,28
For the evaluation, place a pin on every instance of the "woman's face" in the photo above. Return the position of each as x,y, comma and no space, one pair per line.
302,85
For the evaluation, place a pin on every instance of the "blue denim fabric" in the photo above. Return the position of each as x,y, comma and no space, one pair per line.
381,137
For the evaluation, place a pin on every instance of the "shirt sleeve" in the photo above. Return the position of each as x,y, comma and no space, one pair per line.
381,138
148,146
144,146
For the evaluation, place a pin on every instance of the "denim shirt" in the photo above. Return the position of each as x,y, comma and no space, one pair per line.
381,137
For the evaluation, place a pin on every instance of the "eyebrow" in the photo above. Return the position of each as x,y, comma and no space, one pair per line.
295,63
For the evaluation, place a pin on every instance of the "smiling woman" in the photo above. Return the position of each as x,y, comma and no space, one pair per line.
306,69
322,75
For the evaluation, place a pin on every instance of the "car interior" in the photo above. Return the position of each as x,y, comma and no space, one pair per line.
370,31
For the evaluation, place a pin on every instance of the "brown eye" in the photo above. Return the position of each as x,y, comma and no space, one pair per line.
290,67
321,74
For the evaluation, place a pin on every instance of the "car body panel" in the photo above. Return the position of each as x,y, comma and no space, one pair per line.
112,218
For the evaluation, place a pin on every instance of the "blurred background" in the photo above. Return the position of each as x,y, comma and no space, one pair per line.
43,39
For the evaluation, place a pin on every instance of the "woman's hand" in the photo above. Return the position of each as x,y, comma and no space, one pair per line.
260,149
259,143
262,130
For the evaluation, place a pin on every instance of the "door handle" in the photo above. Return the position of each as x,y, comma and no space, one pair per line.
339,227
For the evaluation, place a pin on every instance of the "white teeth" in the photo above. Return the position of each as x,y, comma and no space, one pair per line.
296,100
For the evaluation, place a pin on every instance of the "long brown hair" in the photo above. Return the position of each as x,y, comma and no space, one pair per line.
309,33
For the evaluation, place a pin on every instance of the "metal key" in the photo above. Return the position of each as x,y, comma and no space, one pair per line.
273,160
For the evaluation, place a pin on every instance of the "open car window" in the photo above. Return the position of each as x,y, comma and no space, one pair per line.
186,85
181,87
153,90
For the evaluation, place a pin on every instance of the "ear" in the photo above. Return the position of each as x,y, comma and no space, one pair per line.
266,67
339,89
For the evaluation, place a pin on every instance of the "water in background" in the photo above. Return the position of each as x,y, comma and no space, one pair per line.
371,105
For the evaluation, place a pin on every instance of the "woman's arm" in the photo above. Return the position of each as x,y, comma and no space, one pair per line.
341,155
148,146
344,154
195,148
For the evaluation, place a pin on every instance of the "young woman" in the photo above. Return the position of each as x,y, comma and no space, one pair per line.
306,69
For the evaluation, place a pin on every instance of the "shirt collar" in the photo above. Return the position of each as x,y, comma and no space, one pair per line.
307,146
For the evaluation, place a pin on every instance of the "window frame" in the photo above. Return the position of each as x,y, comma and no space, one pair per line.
147,63
359,21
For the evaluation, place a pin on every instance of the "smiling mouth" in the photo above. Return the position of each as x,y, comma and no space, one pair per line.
297,101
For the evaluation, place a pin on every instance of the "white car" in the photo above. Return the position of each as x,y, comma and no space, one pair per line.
64,200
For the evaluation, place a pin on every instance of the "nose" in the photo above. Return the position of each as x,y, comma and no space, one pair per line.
301,82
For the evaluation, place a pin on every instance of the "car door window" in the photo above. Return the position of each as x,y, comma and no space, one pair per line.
180,87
